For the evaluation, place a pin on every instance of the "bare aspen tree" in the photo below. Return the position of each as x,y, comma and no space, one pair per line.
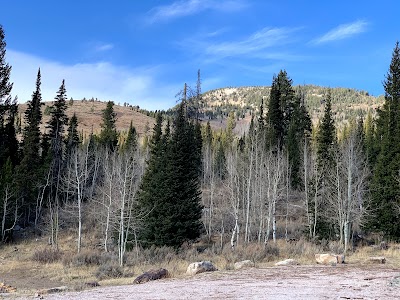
350,181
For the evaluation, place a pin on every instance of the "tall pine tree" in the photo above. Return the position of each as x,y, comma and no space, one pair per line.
109,134
29,170
170,191
385,188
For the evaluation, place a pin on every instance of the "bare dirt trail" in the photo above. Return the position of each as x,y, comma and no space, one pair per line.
297,282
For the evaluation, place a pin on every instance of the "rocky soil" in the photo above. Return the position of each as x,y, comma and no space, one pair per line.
292,282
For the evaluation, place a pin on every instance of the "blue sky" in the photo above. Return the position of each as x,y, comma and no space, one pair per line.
142,52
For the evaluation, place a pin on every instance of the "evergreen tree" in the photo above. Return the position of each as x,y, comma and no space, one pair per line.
185,223
325,142
280,107
131,139
170,190
326,136
56,125
72,141
299,129
109,135
385,189
29,170
8,109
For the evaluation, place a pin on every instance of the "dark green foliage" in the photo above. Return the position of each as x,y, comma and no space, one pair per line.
326,136
299,129
131,141
72,141
8,109
109,135
29,171
385,188
288,122
170,191
58,121
220,161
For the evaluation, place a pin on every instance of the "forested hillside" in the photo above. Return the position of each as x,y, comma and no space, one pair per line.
243,101
313,164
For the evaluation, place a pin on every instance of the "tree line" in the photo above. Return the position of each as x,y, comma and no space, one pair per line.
284,178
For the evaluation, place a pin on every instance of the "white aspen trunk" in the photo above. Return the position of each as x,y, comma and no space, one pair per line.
3,221
305,166
234,232
79,199
246,230
315,205
274,221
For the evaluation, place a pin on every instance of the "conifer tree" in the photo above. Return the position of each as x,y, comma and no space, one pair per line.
8,109
326,143
385,189
326,136
131,141
109,134
72,140
29,170
170,190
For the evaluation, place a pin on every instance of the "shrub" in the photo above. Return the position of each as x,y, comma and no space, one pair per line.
84,258
47,255
109,270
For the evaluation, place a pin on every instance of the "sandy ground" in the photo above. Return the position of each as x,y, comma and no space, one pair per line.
296,282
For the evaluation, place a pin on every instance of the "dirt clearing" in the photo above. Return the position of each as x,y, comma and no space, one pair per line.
297,282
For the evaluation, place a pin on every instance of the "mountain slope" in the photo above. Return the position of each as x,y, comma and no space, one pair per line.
89,114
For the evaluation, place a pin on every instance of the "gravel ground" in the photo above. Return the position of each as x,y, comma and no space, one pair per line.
295,282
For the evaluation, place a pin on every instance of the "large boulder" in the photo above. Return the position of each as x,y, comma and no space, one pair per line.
329,259
243,264
151,275
287,262
200,267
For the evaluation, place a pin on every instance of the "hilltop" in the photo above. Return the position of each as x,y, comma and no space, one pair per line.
89,114
347,103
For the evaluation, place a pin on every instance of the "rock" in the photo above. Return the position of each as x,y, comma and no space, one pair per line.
377,259
200,267
329,259
243,264
6,288
53,290
287,262
151,275
92,284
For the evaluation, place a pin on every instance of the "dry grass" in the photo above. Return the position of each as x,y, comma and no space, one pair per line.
89,116
20,268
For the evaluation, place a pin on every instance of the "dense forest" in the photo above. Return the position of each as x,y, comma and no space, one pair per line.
287,177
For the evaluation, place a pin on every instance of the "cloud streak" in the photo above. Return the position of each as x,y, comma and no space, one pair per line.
104,47
183,8
343,31
253,45
101,80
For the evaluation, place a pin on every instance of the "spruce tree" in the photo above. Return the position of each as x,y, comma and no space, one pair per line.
109,135
72,141
326,136
131,141
29,170
185,161
385,189
8,109
170,190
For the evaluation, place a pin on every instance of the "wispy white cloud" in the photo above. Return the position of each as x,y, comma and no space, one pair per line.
182,8
101,80
343,31
254,44
103,47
